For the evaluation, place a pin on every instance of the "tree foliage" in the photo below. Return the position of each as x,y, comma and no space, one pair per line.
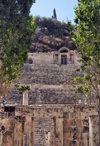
53,26
54,14
22,88
88,43
16,29
87,40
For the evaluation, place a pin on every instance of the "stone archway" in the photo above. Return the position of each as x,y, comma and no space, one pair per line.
63,50
63,55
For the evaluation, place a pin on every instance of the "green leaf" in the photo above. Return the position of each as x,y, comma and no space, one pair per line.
16,86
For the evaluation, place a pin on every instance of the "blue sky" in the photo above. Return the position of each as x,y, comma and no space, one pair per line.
64,9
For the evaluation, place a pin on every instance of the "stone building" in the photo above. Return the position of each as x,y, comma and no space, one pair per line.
48,115
63,56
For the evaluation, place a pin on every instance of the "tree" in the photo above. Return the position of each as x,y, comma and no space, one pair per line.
87,40
54,14
16,30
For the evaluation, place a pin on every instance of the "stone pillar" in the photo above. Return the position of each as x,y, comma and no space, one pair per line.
18,133
59,131
32,131
90,131
93,130
25,97
28,129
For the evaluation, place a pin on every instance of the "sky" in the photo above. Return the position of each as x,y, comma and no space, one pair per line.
64,9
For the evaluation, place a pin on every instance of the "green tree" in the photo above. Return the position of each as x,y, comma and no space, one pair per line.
16,30
54,14
87,40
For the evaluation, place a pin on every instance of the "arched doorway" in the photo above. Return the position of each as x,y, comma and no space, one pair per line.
63,55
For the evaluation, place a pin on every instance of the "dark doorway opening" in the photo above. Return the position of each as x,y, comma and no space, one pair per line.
30,61
63,59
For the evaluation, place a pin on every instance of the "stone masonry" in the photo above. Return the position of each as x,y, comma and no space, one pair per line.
48,115
48,125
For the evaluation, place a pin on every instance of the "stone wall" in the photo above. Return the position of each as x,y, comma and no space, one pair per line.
53,57
48,74
41,58
49,84
49,125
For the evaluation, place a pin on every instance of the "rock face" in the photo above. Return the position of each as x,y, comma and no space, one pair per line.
45,42
49,125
